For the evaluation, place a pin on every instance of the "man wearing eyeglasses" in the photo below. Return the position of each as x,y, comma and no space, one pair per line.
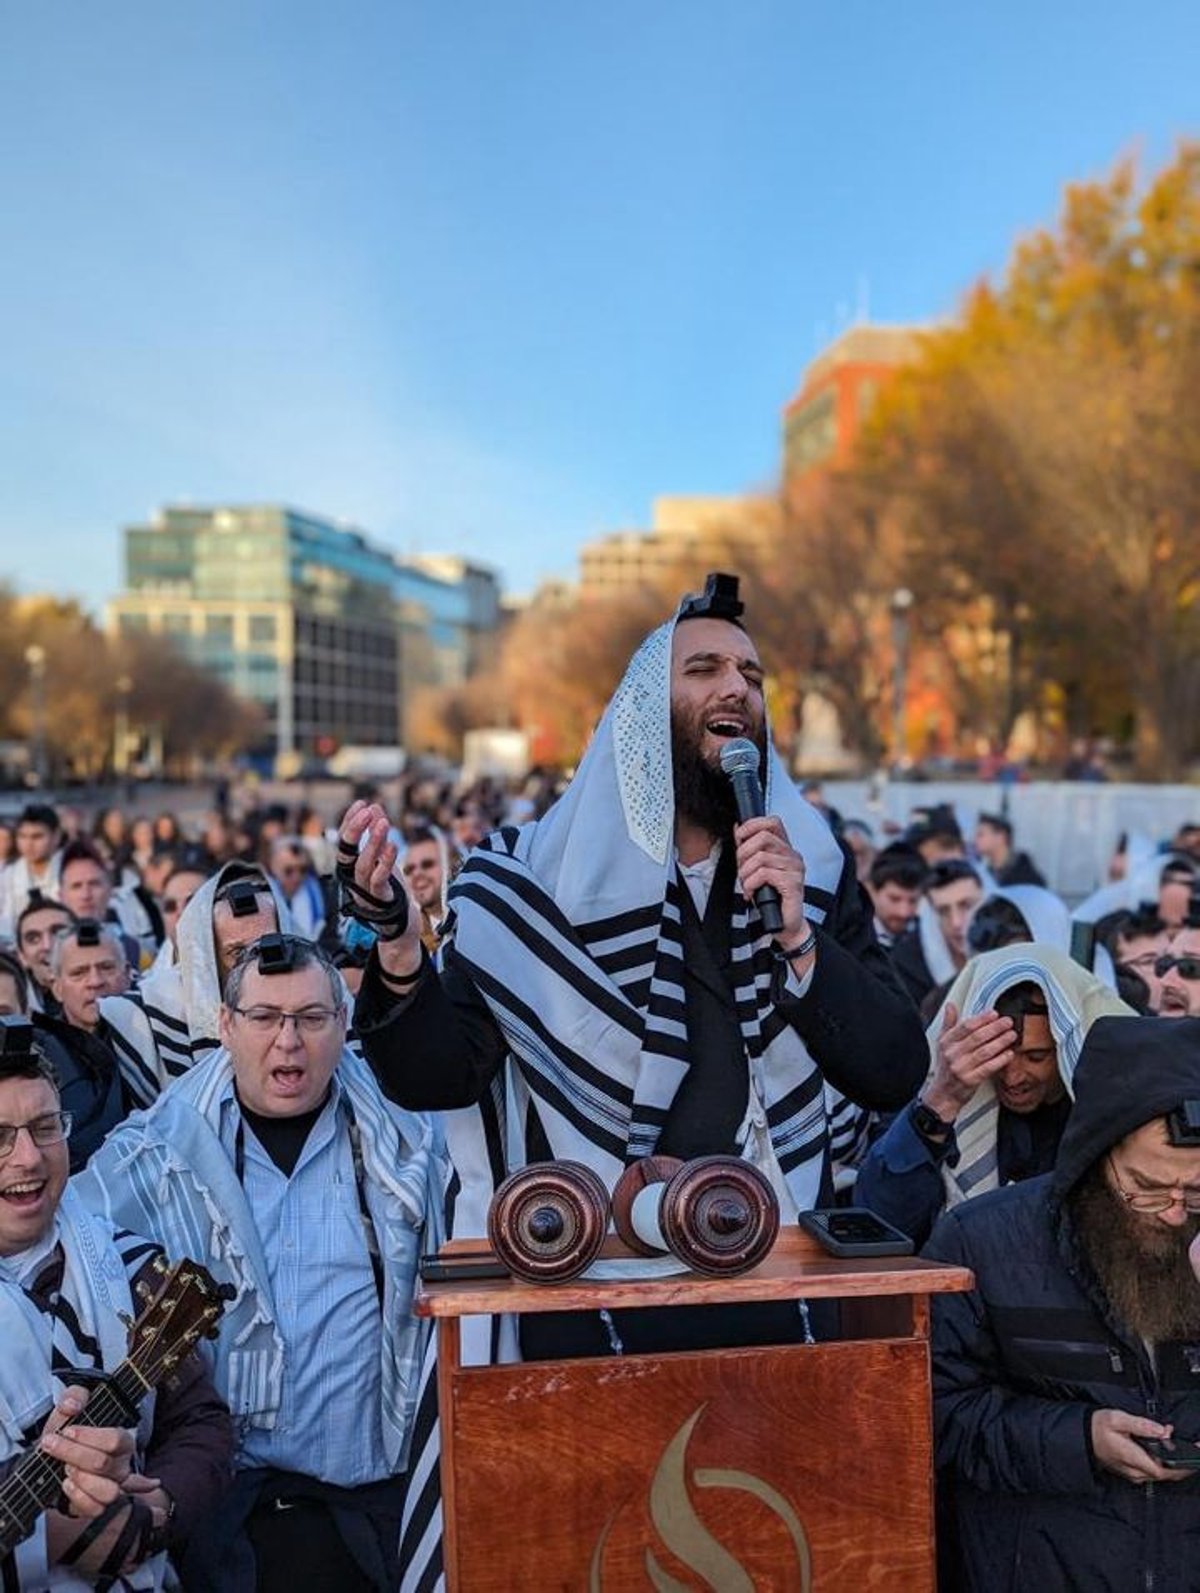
1136,943
313,1196
1068,1381
67,1283
1178,974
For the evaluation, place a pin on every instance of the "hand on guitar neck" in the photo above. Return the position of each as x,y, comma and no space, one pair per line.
97,1460
98,1472
85,1455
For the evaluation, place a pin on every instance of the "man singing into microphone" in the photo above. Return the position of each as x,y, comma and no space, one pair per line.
607,987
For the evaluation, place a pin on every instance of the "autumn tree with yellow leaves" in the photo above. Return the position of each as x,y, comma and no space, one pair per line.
1042,459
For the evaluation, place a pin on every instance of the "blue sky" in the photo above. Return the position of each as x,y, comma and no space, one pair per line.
487,277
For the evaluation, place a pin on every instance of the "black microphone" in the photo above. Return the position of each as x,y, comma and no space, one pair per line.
739,760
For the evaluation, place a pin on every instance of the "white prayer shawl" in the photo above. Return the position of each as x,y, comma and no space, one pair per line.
170,1023
167,1173
1075,998
570,929
16,883
1140,884
96,1284
1047,915
937,954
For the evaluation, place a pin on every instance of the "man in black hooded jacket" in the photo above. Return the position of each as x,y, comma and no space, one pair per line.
1080,1340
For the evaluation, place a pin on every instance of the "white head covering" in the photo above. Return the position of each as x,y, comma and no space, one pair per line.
1046,914
1075,998
198,975
570,927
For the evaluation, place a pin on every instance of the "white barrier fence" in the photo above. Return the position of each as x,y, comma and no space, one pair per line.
1069,828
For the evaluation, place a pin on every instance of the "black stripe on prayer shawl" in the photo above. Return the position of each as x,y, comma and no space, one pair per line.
168,1021
794,1102
634,922
419,1513
135,1251
816,897
637,955
550,956
87,1347
612,1098
637,992
119,1043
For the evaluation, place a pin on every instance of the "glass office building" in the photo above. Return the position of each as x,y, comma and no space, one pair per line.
292,611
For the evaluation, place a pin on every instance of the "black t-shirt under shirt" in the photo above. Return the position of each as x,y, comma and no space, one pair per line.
283,1138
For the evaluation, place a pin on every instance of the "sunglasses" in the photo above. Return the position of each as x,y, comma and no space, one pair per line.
1189,967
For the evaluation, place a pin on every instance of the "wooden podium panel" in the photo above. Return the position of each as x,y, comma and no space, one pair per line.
806,1467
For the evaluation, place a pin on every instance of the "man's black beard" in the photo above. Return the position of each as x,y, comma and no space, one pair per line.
703,795
1140,1263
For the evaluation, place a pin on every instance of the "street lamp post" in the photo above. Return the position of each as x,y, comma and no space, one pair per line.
900,606
35,658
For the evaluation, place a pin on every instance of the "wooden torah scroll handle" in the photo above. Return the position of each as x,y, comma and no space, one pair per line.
547,1221
718,1214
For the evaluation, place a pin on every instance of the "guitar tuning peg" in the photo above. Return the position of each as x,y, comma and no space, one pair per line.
160,1266
143,1291
126,1321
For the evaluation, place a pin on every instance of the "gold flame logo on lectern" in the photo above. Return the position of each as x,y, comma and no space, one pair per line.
684,1534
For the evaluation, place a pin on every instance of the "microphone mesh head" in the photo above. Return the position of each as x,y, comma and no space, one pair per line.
740,757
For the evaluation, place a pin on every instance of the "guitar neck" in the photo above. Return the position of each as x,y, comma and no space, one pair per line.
34,1483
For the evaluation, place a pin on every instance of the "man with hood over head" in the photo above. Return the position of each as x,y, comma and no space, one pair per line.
1063,1378
1003,1050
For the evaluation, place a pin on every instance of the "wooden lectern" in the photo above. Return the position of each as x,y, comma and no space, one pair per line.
799,1467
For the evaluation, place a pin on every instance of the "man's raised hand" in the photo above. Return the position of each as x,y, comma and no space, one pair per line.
371,891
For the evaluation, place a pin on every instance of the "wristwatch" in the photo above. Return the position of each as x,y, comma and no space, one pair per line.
927,1123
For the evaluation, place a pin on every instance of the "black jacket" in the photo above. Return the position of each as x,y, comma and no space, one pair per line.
89,1083
440,1047
1019,870
909,962
1021,1362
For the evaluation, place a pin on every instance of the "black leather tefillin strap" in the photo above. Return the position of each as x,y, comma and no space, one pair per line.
387,917
135,1535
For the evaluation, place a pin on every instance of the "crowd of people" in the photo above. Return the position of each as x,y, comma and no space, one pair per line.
301,1049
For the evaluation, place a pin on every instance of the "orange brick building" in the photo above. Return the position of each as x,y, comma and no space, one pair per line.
837,392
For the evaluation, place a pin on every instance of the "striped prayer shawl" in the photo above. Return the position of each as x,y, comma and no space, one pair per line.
594,1015
1075,998
168,1172
150,1036
81,1326
570,930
